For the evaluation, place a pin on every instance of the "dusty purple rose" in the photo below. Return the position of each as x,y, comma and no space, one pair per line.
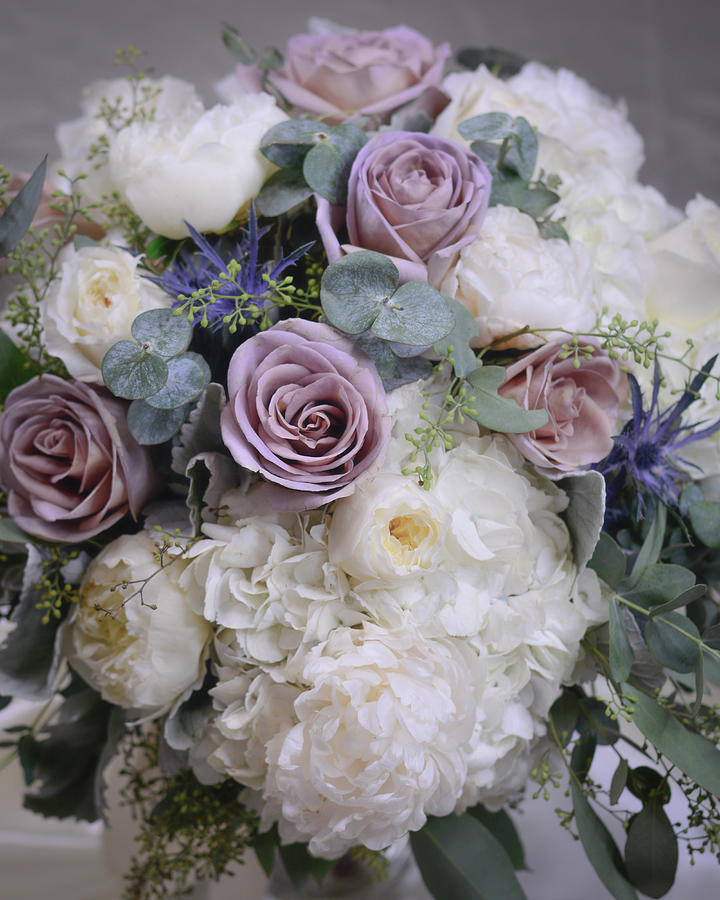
69,464
307,410
581,404
339,76
416,198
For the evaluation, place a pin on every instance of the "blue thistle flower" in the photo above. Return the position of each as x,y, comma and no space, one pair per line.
195,268
647,451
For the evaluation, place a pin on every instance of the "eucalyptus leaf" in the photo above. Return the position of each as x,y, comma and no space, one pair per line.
621,653
598,721
673,640
354,287
161,331
287,143
564,715
460,859
264,845
18,216
488,152
501,826
705,521
327,165
508,189
284,190
188,376
11,534
270,59
415,314
153,426
237,46
619,780
600,848
537,201
661,583
689,596
711,637
498,413
456,345
553,230
651,850
15,367
132,372
608,560
502,63
393,371
585,513
646,784
693,754
301,865
490,126
522,153
653,543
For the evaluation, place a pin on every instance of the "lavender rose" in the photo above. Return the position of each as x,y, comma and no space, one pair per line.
339,76
581,404
414,197
307,410
67,460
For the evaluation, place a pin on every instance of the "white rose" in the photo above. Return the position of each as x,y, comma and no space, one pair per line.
137,657
163,99
558,103
201,172
379,741
92,304
512,277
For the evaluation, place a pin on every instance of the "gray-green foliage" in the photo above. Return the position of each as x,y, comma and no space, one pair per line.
509,148
312,157
156,372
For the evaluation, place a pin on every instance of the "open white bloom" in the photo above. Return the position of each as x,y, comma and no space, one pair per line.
200,169
268,579
165,99
147,653
558,103
379,741
92,304
512,277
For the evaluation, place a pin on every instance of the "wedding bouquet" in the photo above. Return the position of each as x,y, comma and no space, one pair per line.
360,455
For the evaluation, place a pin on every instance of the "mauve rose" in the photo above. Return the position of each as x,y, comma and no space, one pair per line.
339,76
414,197
69,464
581,404
307,410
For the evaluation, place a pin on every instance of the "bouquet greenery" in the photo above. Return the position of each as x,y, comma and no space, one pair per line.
359,454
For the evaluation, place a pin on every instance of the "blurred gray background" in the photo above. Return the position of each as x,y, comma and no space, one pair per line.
660,55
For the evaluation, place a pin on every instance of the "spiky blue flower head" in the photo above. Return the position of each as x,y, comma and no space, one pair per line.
647,453
197,267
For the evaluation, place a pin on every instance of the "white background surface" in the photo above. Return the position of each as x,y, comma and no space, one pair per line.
661,55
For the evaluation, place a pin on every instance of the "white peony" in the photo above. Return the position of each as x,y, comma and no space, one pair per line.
512,277
146,654
558,103
92,304
378,745
202,170
163,100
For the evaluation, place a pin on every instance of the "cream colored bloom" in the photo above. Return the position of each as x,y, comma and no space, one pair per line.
201,170
145,654
92,304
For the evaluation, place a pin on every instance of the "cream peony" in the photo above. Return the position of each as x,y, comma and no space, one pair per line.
378,745
146,654
92,305
512,277
162,100
558,103
200,169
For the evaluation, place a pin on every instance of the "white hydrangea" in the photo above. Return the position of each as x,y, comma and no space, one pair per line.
512,277
165,100
557,102
143,655
379,741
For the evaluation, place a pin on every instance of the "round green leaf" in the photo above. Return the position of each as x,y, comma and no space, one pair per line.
354,287
287,143
162,331
284,189
645,784
671,639
188,375
490,126
498,413
153,426
415,314
327,165
132,372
